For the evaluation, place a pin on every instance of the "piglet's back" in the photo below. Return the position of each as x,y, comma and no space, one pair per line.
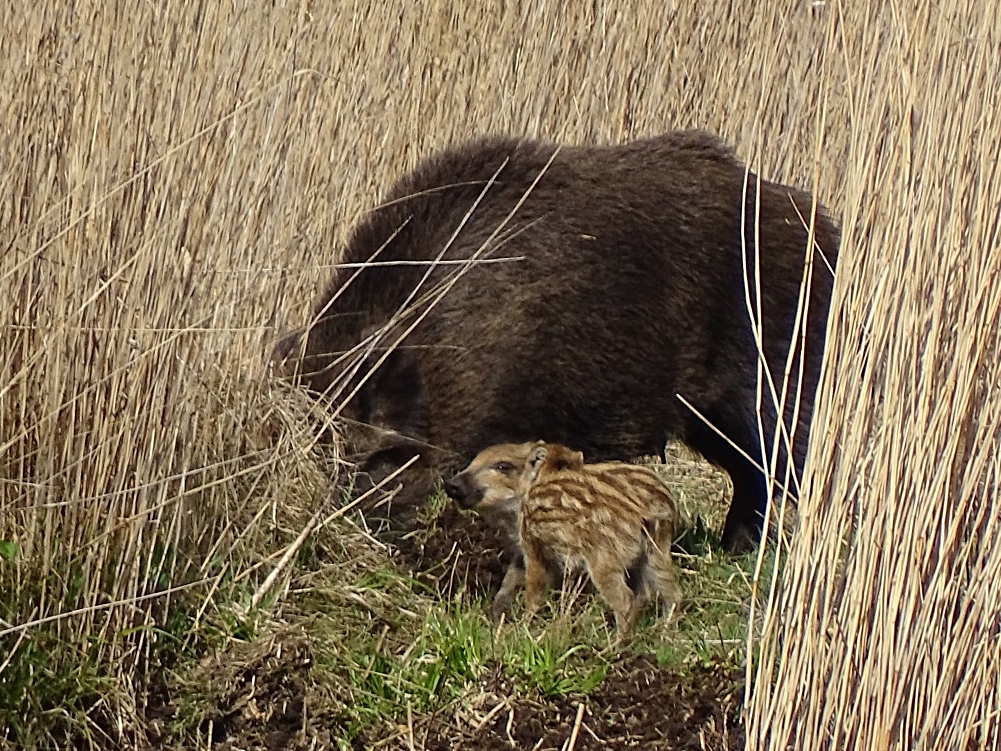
603,494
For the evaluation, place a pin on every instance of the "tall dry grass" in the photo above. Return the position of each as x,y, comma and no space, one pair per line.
175,178
885,635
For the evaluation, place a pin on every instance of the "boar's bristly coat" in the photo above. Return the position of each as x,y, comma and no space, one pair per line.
609,280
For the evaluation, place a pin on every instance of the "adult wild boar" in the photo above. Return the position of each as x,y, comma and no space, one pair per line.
604,282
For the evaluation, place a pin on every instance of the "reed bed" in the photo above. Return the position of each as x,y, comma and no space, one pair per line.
885,633
175,179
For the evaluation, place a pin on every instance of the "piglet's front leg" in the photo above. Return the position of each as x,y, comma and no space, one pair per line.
514,579
536,577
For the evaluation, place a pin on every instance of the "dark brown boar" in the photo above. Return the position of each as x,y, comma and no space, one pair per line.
623,288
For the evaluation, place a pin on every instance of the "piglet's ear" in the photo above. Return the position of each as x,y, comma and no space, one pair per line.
568,459
538,455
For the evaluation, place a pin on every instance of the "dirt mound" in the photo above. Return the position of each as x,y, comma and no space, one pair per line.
459,552
637,706
262,706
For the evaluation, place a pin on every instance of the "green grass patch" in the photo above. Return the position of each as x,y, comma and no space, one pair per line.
48,687
385,647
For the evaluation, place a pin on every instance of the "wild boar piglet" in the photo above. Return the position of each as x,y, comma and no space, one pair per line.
615,520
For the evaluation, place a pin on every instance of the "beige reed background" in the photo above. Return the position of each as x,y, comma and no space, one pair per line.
886,631
175,178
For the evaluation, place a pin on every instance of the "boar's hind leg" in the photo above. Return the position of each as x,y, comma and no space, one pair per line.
610,580
660,572
744,520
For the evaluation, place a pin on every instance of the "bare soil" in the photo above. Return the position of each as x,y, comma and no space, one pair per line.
638,706
460,552
261,693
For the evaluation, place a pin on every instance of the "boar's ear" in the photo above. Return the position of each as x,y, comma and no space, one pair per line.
285,356
393,397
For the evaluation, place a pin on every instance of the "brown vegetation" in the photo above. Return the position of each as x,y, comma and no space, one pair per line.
890,596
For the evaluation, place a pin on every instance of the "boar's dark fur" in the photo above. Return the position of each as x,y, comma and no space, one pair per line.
628,289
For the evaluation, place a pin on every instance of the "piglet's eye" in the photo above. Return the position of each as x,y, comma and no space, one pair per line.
503,466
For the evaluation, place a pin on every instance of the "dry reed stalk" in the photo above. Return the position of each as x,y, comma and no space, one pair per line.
174,181
885,634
